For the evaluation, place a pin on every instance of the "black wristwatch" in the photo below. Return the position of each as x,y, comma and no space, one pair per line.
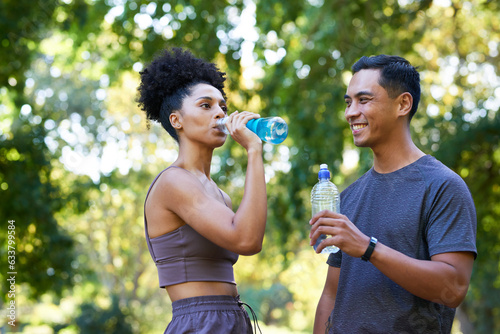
369,250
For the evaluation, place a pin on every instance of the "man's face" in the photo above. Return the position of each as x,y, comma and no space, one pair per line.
371,113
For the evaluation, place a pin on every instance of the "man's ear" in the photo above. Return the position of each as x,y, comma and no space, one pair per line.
175,120
405,104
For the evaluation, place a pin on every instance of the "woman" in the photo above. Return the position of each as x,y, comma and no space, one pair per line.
193,235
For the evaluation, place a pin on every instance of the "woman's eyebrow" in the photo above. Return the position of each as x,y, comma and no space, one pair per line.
209,98
204,98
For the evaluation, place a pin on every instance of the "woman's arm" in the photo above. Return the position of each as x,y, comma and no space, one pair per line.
242,231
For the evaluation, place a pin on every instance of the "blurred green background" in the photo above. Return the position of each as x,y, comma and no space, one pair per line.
76,156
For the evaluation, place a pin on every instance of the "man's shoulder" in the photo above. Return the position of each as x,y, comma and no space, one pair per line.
427,170
434,172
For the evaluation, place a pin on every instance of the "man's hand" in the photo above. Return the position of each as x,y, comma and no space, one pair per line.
343,233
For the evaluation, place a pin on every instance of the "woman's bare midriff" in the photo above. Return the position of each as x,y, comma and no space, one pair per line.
195,289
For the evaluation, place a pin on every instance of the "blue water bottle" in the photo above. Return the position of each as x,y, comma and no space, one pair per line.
273,130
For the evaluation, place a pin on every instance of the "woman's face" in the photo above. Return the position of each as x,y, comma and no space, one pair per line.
199,114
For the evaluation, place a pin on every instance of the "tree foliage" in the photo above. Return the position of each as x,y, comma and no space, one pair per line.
75,156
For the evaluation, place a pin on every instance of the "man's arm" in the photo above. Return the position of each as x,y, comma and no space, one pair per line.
444,279
327,300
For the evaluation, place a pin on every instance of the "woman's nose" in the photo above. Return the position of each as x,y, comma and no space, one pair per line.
220,112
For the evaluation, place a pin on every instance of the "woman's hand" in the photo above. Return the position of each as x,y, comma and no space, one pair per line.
236,125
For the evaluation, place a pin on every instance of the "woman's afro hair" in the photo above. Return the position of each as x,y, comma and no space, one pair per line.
173,70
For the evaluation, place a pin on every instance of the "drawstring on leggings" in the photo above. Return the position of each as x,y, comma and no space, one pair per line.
254,316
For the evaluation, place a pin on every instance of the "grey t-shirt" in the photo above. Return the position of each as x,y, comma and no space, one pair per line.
420,210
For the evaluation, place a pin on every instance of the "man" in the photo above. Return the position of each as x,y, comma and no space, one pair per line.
408,226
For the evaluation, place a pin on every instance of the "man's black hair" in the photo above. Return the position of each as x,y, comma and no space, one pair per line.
397,76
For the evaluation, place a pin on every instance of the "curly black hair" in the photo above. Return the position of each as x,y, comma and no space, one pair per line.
169,79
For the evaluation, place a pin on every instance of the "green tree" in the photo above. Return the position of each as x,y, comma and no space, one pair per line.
462,128
67,100
455,45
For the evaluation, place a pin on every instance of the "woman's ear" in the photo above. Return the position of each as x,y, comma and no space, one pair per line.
405,104
175,121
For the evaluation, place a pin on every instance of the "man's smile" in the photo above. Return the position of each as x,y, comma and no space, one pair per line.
358,126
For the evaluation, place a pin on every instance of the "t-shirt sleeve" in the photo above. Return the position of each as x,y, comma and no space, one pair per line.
335,259
451,217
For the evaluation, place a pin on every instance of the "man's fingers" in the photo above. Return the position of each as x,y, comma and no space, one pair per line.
319,230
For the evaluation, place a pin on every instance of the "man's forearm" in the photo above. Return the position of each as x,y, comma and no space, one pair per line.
323,311
442,280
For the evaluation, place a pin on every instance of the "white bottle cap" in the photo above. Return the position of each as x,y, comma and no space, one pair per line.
323,166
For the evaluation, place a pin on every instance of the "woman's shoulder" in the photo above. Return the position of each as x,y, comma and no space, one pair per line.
175,177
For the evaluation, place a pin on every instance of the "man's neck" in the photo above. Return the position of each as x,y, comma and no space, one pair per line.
390,159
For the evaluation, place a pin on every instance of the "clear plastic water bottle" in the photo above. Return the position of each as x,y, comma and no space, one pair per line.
273,130
325,196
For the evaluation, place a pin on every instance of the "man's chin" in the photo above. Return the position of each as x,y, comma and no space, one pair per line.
360,144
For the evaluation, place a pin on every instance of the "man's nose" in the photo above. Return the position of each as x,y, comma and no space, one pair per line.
351,111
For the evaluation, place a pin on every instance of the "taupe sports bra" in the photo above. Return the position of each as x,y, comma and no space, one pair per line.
184,255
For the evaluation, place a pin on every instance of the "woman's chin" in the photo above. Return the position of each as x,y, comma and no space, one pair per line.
221,141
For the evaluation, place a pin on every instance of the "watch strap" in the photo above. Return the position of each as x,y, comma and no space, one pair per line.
369,250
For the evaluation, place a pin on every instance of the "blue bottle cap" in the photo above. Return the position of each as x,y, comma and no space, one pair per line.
324,173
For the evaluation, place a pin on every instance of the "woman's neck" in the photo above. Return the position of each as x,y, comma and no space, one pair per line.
195,159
